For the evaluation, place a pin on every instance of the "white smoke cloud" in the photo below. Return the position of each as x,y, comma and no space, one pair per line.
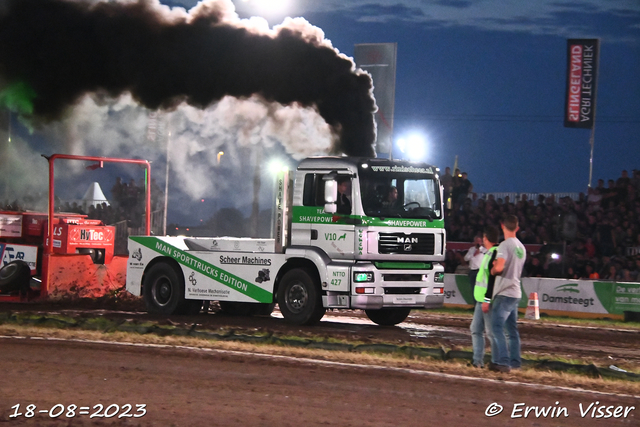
24,174
248,131
239,128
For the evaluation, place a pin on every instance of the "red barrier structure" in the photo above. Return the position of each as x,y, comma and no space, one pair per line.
75,255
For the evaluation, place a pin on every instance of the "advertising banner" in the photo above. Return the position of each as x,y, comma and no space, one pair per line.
580,298
457,290
626,297
582,71
379,60
10,225
10,252
563,295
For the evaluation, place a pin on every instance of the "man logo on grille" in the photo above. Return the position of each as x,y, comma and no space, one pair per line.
408,248
407,240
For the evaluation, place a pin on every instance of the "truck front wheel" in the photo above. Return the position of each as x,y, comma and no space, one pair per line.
388,316
163,289
299,298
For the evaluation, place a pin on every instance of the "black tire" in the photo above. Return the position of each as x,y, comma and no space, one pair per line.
300,298
15,277
388,316
163,290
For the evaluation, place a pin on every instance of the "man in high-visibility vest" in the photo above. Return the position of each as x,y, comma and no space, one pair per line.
482,292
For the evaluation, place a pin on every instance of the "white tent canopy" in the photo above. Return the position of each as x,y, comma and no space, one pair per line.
93,196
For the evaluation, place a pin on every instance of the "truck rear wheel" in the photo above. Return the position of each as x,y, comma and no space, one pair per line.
163,289
15,276
299,298
388,316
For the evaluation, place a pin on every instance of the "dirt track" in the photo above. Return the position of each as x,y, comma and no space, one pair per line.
602,346
188,387
204,387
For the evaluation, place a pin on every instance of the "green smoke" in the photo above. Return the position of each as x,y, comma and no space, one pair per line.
18,97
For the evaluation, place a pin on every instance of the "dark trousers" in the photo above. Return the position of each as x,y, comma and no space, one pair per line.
472,278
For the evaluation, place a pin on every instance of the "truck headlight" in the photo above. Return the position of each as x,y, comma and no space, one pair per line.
363,276
439,277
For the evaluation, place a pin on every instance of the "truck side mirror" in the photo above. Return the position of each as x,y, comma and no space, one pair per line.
330,196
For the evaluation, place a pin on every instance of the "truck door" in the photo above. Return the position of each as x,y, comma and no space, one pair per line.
312,226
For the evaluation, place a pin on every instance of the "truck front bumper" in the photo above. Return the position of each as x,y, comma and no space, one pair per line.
398,288
375,302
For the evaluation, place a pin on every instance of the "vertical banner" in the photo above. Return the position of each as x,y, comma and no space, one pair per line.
379,60
156,127
582,71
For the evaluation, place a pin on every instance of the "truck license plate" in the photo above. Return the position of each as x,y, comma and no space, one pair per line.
404,300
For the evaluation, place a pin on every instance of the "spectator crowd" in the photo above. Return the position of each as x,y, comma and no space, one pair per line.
596,236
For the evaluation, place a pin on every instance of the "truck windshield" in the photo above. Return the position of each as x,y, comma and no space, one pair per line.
400,195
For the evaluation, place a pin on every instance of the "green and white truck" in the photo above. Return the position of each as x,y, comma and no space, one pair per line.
384,257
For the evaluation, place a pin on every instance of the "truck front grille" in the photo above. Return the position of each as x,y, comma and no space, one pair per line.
410,244
402,277
402,291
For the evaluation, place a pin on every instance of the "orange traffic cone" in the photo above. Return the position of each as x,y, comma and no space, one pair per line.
533,308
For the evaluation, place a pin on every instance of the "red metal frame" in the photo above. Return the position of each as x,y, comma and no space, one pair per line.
52,263
54,157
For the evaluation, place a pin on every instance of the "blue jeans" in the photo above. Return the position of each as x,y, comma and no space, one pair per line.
504,317
479,326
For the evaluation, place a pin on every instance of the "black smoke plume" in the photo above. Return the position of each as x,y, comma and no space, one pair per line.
63,49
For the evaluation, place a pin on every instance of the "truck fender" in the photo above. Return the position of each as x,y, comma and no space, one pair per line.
313,259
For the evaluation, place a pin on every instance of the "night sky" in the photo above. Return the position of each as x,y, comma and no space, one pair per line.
481,80
485,80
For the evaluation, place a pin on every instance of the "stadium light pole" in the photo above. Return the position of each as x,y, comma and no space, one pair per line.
275,167
166,187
